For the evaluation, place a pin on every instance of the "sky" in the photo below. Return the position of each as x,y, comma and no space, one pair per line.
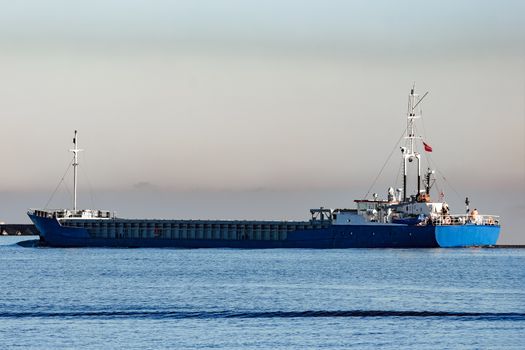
258,109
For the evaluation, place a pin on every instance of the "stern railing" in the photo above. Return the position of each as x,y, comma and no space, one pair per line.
491,220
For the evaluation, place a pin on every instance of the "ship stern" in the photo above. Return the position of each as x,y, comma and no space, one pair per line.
467,235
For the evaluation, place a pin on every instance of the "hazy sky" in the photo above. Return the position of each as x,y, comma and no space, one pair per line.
258,99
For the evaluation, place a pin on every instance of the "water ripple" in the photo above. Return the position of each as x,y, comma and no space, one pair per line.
510,316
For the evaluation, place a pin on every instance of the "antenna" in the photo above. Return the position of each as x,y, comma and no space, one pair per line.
75,165
421,99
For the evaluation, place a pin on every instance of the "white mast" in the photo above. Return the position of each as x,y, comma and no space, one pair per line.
409,153
75,165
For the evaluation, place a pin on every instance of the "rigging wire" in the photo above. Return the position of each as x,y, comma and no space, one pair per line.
445,179
384,165
59,183
431,161
91,192
398,172
422,123
428,158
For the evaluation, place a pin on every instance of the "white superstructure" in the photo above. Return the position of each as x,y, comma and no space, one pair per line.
401,208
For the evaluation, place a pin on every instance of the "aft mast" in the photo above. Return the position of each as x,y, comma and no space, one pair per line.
409,153
75,151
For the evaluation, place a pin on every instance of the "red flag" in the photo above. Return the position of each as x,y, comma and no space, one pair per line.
427,147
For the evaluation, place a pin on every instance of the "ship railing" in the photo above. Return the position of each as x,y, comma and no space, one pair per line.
466,219
72,214
41,213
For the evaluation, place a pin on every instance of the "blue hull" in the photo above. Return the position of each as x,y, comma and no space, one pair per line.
334,236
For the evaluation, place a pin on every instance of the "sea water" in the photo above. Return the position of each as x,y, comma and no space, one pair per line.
97,298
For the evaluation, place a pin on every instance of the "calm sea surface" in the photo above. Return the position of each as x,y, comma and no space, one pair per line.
261,299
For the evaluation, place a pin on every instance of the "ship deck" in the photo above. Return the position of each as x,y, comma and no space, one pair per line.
193,229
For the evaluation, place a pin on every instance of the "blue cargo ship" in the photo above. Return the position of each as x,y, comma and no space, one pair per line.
399,221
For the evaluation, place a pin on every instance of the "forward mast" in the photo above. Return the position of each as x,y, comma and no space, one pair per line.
75,151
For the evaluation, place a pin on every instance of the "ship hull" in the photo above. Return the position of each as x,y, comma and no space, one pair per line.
54,234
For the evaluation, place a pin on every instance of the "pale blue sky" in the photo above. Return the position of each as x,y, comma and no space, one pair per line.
379,26
221,97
